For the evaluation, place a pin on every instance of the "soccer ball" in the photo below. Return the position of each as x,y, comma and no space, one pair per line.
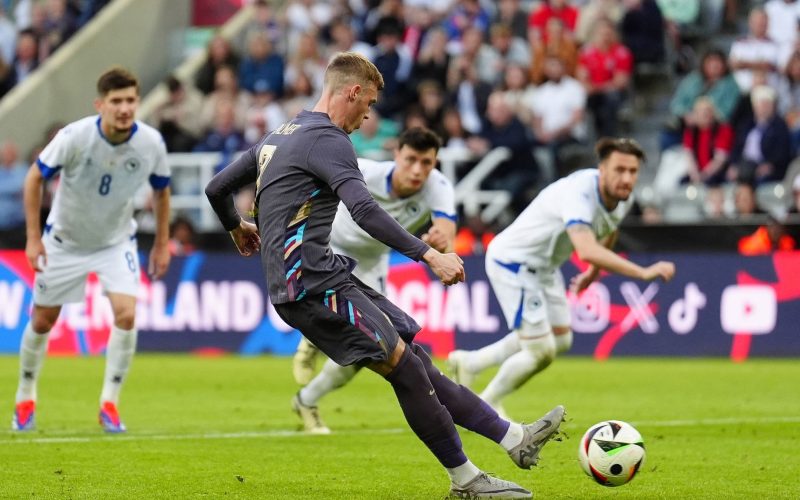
611,452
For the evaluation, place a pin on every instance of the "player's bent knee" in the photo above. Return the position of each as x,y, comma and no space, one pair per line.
125,320
538,339
563,338
43,318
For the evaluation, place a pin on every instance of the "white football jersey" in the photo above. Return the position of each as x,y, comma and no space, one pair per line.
93,205
538,237
435,199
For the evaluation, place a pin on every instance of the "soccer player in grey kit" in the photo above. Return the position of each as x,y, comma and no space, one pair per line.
302,170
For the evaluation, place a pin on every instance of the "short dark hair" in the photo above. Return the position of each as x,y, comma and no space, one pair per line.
116,78
420,139
608,145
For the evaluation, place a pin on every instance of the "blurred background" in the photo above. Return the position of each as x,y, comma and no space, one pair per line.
518,89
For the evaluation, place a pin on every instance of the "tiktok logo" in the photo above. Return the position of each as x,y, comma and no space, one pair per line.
683,313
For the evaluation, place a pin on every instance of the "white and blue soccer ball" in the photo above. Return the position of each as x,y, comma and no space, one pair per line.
611,452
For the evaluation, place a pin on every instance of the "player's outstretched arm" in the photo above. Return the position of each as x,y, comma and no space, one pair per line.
581,281
159,259
32,201
591,251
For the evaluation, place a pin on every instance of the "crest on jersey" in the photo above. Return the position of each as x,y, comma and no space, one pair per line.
413,208
131,164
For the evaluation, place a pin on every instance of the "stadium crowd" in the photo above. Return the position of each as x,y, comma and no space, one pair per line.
542,78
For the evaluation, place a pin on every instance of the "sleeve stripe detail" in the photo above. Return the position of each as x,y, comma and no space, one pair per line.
444,215
158,181
47,171
572,222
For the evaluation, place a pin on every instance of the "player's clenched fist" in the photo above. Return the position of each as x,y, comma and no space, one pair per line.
246,238
34,250
447,266
662,269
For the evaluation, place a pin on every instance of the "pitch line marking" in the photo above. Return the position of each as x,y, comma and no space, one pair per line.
718,421
17,439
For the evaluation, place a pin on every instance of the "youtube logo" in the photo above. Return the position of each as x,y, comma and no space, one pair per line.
748,309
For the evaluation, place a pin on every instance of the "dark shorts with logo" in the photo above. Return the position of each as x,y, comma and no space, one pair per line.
351,324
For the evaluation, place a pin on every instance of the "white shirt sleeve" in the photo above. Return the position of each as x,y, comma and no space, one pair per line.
58,154
441,197
578,203
160,176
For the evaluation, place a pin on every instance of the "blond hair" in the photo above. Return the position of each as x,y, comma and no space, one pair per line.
351,68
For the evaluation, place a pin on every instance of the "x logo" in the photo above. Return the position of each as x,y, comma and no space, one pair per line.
639,303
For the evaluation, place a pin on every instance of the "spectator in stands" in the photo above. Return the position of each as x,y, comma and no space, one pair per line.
27,55
594,10
466,14
387,11
709,143
218,54
265,21
376,138
558,43
455,136
90,8
8,37
343,39
308,60
59,25
763,146
507,49
771,237
744,200
789,99
433,59
468,93
558,112
478,55
178,117
518,92
226,88
642,30
264,115
549,9
714,80
261,64
394,61
604,68
181,237
12,179
6,77
784,23
431,101
224,137
503,129
509,13
754,52
303,16
301,95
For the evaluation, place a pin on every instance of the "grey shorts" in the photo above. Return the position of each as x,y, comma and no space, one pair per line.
351,324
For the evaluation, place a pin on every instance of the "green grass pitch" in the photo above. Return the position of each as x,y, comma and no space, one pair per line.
222,428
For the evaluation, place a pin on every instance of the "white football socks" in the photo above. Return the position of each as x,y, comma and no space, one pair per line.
119,354
492,354
463,474
331,377
513,436
536,355
32,351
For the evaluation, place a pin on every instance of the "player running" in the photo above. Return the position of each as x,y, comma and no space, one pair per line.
414,193
302,171
103,161
523,262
